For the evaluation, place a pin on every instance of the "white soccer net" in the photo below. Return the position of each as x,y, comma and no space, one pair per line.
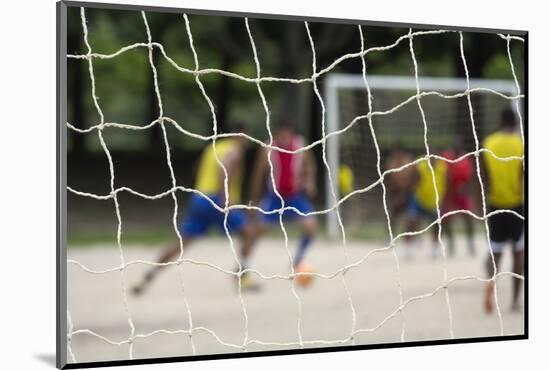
364,122
397,121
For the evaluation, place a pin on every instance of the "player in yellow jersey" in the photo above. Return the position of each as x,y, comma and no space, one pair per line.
201,213
423,200
505,184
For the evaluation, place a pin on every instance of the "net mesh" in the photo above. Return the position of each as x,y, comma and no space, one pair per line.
354,123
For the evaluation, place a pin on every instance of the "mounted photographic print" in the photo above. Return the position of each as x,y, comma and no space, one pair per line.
235,185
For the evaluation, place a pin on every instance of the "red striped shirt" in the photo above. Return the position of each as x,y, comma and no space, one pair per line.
287,167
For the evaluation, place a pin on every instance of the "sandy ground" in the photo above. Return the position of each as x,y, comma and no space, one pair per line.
95,300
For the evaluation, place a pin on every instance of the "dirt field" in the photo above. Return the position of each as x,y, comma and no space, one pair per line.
95,300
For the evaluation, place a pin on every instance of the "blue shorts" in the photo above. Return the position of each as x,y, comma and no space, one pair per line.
201,214
272,202
415,210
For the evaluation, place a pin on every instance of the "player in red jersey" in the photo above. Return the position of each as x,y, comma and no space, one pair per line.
458,197
295,181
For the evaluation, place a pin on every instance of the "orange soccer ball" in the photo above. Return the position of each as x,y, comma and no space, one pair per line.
304,280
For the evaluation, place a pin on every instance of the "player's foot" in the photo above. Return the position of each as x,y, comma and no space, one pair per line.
488,303
139,288
248,283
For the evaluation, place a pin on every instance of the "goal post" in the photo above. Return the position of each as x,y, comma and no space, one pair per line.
346,98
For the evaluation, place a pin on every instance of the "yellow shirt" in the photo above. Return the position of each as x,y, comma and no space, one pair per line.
505,177
425,192
210,174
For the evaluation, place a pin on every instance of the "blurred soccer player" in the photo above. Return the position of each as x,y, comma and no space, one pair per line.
505,183
295,180
201,213
422,203
399,184
458,196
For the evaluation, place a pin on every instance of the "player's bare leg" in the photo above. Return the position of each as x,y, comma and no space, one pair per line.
168,255
309,229
449,233
517,283
248,238
248,234
398,207
436,246
489,290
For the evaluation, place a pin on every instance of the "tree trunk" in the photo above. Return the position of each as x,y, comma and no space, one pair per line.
478,49
289,104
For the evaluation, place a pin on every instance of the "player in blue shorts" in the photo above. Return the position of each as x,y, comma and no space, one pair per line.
201,214
295,175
